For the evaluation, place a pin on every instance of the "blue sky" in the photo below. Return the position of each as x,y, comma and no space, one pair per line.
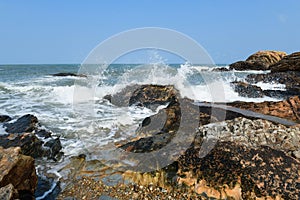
65,31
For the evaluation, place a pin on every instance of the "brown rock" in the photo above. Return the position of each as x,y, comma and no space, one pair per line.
18,170
288,63
8,192
235,171
260,60
287,109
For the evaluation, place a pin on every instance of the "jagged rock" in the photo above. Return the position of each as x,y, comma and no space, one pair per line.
150,96
247,90
26,123
23,133
287,109
254,133
4,118
291,79
235,171
8,192
32,146
260,60
288,63
18,170
69,74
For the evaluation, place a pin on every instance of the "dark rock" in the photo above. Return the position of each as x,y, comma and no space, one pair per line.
244,65
288,63
18,170
43,133
29,144
4,118
45,184
279,94
150,96
53,148
26,123
23,133
32,146
69,74
260,60
291,79
235,171
247,90
220,69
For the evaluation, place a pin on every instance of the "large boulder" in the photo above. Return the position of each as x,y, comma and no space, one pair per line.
288,63
18,170
233,171
150,96
260,60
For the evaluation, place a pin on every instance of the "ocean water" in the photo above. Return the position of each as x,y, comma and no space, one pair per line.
84,124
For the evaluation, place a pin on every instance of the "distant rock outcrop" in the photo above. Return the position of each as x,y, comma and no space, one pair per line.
260,60
288,63
69,74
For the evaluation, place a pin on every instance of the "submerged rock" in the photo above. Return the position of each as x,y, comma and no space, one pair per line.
18,170
69,74
260,60
4,118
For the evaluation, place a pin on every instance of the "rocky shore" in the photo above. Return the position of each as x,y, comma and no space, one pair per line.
238,150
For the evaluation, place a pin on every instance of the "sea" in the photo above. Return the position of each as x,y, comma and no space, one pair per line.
73,107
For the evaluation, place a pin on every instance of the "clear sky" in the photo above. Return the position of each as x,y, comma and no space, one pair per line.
65,31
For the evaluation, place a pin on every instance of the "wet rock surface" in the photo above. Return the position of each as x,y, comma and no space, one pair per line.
26,123
4,118
18,170
33,141
150,96
260,60
247,90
